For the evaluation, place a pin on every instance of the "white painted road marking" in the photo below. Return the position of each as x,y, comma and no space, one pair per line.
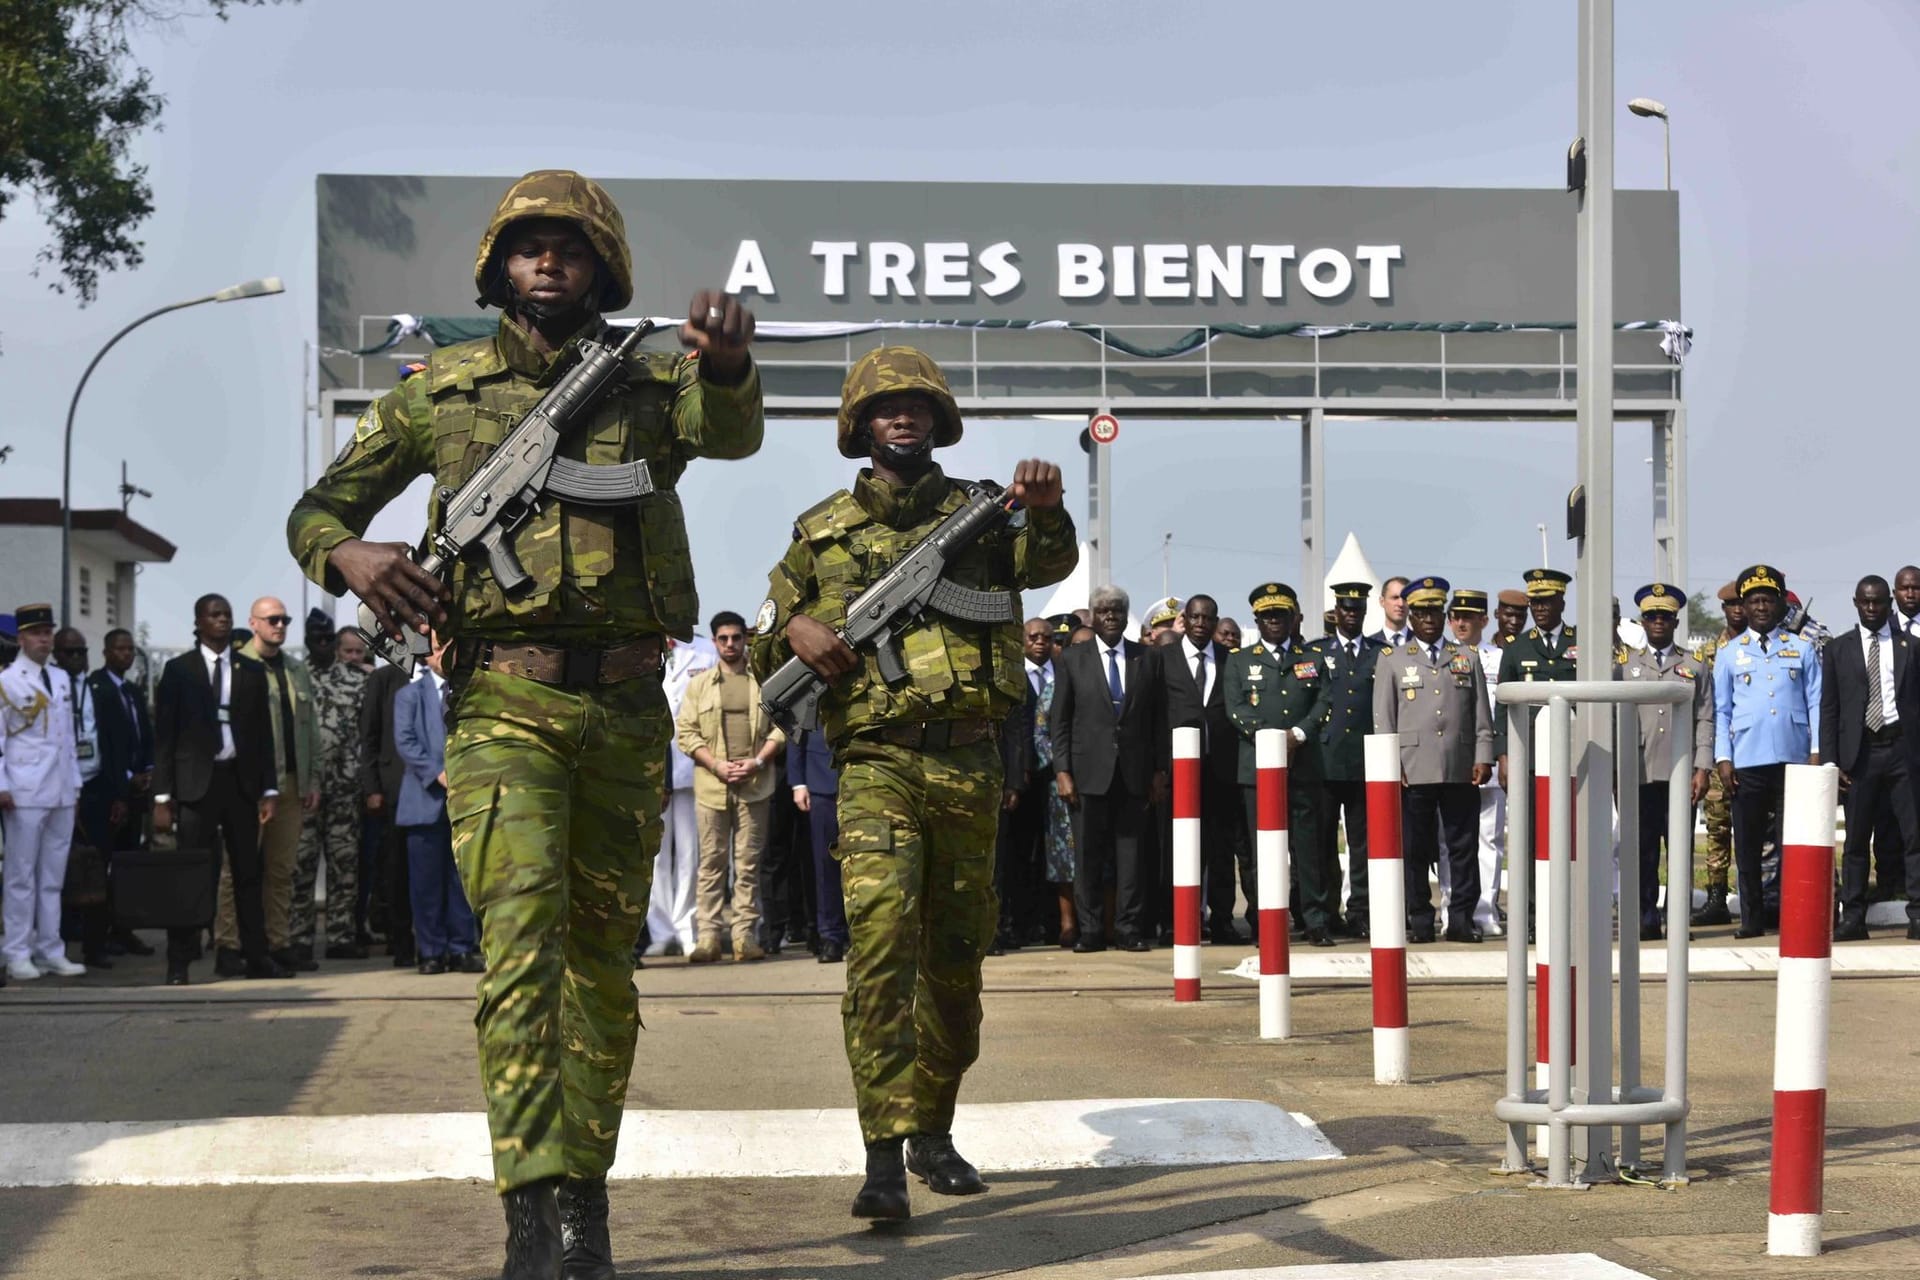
1490,962
1546,1266
1005,1137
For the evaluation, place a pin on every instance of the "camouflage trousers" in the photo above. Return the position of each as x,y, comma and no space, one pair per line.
555,797
1717,810
917,833
332,834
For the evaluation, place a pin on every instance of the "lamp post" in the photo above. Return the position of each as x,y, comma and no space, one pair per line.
233,293
1658,111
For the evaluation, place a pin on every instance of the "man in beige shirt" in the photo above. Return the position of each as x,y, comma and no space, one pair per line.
732,743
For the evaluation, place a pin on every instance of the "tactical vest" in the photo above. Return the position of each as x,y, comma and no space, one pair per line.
955,670
477,399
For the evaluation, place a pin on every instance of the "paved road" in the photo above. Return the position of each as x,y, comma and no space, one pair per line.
1414,1183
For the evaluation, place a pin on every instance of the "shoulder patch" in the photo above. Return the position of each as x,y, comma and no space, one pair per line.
768,615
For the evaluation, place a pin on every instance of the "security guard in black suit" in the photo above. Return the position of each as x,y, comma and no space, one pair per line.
1549,650
1347,659
1273,685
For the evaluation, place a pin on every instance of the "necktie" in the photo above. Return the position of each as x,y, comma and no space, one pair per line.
1763,644
1200,673
1033,678
1876,711
219,697
1114,690
1433,654
46,679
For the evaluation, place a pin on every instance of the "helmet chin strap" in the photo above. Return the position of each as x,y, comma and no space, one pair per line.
909,457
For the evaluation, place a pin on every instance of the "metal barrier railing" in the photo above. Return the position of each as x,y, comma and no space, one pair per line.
1627,1104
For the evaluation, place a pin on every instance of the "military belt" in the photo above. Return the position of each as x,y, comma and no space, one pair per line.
936,735
574,668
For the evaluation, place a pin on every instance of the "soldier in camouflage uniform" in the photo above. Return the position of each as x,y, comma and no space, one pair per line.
1717,811
333,831
558,724
919,763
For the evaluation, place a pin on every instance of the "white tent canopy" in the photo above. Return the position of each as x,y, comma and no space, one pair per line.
1351,565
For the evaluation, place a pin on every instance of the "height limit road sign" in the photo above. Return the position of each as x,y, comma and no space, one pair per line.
1105,428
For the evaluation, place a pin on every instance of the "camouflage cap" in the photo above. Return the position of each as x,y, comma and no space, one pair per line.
887,371
562,193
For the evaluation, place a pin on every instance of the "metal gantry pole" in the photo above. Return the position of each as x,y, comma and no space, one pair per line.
1313,513
1595,392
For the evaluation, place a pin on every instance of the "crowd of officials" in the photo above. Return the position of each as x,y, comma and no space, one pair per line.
287,771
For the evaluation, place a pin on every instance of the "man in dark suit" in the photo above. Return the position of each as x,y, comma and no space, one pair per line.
1347,660
1870,727
213,759
1019,857
443,925
381,769
1193,695
1104,728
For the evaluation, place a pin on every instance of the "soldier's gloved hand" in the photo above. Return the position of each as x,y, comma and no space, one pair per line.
1037,484
820,647
400,593
719,329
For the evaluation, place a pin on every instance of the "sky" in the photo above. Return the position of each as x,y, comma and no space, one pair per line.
1794,151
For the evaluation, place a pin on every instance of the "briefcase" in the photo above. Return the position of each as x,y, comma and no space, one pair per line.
164,887
86,884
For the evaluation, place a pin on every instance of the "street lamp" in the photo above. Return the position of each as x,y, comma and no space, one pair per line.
232,293
1658,110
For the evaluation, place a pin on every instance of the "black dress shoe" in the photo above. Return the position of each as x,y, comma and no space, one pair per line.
403,958
535,1250
131,943
176,975
1462,933
1069,938
831,953
1420,933
470,962
775,941
932,1159
96,959
1319,936
1357,927
267,967
229,963
884,1195
583,1230
431,965
298,959
346,951
1744,932
1136,944
796,935
1650,932
1088,944
1226,937
1849,931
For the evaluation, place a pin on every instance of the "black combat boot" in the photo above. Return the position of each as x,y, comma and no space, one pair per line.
583,1228
1714,910
533,1232
931,1158
885,1194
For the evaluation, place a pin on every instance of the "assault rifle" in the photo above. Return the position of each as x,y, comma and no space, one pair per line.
506,488
877,617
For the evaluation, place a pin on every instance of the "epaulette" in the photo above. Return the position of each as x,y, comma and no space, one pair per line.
1620,655
830,517
1533,634
457,366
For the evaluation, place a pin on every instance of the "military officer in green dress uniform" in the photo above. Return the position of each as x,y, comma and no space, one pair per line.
1548,650
558,723
919,762
1273,684
1347,658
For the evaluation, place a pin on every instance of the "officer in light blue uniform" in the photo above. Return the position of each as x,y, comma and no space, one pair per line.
1766,710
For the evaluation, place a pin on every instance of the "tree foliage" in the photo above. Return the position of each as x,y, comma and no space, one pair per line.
72,100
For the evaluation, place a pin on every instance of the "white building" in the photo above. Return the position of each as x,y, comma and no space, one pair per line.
108,548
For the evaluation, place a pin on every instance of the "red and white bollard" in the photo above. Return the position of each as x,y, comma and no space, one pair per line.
1186,865
1387,912
1271,873
1800,1028
1543,906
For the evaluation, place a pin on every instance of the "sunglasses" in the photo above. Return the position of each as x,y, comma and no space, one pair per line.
71,649
276,619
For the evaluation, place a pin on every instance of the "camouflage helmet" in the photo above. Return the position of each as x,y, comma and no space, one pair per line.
887,371
561,193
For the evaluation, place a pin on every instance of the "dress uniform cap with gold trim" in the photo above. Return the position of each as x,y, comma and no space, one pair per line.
1546,582
33,615
1761,577
1164,611
1467,600
1269,596
1660,597
1425,593
1351,591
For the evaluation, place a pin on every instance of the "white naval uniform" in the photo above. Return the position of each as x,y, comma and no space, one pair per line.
670,907
41,770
